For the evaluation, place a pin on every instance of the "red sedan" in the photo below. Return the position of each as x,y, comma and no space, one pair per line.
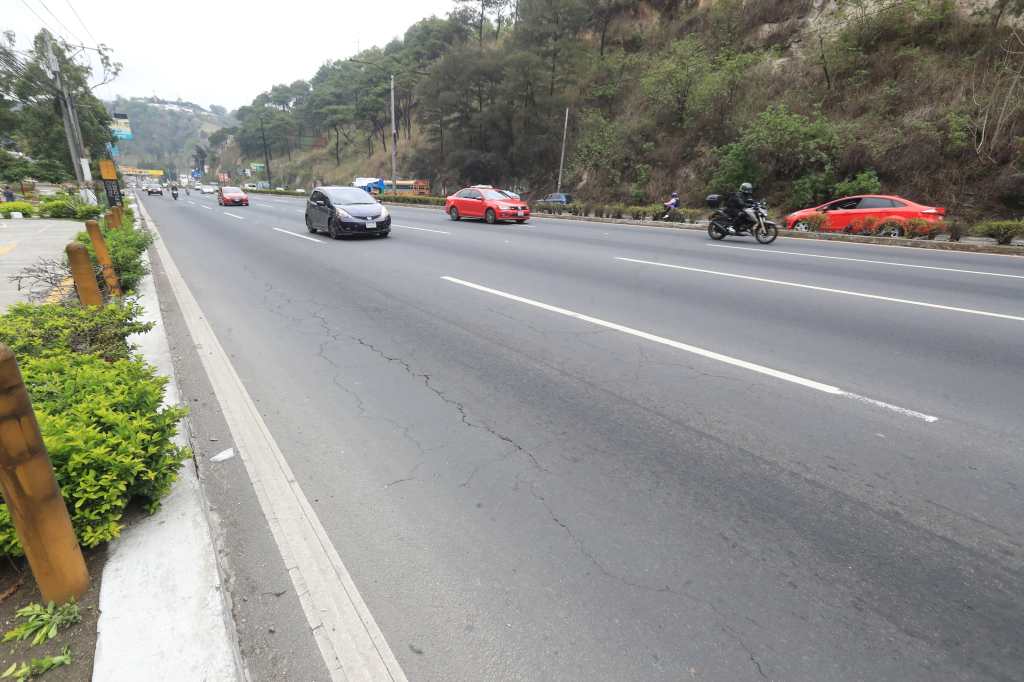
232,196
484,201
842,212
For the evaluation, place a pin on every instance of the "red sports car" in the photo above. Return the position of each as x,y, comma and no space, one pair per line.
484,201
841,212
232,196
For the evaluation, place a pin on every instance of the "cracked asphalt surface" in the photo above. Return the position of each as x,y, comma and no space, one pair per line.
522,496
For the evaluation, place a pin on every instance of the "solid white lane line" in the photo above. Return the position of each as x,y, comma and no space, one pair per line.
421,229
234,216
352,645
696,350
300,236
866,260
844,292
191,202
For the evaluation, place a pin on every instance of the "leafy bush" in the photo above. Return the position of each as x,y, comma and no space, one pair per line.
61,208
415,199
108,437
863,226
7,207
865,182
892,227
87,212
126,246
919,227
35,330
815,222
1003,231
283,192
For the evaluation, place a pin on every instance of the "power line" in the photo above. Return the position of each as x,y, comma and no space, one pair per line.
63,25
41,20
79,17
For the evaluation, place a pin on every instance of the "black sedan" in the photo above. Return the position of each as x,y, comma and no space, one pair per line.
345,211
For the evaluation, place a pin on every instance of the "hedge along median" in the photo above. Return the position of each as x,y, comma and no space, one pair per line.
126,245
99,411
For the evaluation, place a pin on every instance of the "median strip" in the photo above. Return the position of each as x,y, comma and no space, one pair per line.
866,260
844,292
696,350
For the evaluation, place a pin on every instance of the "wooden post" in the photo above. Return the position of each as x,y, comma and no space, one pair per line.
99,245
32,495
118,213
85,278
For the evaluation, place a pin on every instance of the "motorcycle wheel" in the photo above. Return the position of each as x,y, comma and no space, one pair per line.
715,231
766,234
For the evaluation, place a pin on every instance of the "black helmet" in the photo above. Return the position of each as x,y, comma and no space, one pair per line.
746,188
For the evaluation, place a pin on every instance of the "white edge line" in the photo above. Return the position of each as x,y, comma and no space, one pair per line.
300,236
234,216
696,350
351,643
867,260
207,208
844,292
421,229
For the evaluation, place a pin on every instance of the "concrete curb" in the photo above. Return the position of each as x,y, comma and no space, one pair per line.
164,613
1011,250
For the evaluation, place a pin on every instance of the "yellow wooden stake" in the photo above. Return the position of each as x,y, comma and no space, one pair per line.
32,495
85,278
99,245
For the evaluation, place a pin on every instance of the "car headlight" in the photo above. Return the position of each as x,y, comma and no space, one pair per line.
342,213
506,207
383,212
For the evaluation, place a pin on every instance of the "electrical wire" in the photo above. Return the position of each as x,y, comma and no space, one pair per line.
41,20
79,17
62,24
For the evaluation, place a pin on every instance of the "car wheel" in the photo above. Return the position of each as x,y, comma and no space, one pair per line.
490,216
453,213
895,232
309,226
332,230
801,226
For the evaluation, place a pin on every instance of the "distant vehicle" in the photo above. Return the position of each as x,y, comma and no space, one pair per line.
232,196
343,211
371,185
483,201
554,199
280,189
154,189
840,213
207,189
250,185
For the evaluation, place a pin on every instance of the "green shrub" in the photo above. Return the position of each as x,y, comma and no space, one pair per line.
919,227
1003,231
35,330
865,226
815,222
107,435
889,227
126,246
865,182
686,215
956,229
87,212
7,207
414,199
61,208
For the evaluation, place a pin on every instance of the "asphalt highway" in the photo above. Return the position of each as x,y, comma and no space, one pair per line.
586,451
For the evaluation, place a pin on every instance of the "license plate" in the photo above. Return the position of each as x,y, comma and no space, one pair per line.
519,213
370,226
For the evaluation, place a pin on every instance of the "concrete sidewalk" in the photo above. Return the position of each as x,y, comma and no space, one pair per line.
23,242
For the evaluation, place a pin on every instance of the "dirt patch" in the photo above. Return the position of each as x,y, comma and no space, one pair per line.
18,589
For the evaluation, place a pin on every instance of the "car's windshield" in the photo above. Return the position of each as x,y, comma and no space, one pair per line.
494,194
348,196
231,190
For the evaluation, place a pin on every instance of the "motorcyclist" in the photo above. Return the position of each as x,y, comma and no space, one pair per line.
670,205
174,190
737,203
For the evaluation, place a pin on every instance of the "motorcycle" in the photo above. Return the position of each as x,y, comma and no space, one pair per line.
751,221
174,193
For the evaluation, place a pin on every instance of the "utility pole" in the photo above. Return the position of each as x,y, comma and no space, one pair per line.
76,146
561,162
266,155
394,141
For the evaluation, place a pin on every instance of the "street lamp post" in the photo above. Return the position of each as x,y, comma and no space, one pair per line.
394,141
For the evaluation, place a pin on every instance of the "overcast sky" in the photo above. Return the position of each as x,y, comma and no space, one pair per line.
217,52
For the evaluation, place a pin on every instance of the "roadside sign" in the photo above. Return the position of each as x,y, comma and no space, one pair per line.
113,191
120,127
107,170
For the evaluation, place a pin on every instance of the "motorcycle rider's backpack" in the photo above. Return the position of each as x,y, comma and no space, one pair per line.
714,200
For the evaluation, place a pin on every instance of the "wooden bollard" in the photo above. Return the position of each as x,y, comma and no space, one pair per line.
33,497
99,245
118,214
85,278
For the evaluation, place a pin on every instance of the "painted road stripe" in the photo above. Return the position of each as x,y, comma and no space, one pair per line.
421,229
844,292
234,216
696,350
351,643
300,236
207,208
191,202
866,260
7,248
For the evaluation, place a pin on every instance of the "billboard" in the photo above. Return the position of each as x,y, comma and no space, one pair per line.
258,167
120,127
131,170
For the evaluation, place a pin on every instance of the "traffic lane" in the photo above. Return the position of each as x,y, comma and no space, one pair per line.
653,607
